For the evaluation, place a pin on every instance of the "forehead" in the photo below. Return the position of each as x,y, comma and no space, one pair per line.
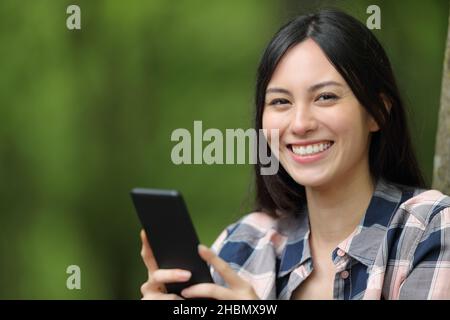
303,65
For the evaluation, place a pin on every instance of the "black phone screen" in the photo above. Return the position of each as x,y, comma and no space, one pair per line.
171,234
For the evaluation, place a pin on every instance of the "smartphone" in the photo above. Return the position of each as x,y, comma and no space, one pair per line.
171,234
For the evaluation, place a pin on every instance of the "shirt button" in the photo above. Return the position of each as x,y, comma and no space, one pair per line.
340,253
345,274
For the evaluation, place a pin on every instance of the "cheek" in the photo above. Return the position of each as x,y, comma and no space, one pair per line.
347,119
273,120
268,123
352,131
267,120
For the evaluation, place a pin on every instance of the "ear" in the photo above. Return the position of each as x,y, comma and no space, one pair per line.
373,125
387,102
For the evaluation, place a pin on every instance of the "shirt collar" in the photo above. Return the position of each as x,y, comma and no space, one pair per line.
362,244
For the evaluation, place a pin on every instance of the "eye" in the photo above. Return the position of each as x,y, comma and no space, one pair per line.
327,97
278,101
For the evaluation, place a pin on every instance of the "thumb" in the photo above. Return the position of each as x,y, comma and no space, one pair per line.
147,254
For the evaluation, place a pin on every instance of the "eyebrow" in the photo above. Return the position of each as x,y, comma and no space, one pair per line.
310,89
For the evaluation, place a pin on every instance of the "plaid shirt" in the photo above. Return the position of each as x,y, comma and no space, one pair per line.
399,250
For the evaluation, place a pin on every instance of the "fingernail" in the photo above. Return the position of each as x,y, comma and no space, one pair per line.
202,247
185,293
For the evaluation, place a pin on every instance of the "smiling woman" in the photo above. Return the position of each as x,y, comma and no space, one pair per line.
347,216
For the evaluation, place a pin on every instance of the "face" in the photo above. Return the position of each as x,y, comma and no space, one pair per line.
324,132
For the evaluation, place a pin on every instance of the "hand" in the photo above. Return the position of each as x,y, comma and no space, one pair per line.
239,289
154,288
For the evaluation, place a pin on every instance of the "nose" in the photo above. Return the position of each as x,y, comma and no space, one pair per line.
303,121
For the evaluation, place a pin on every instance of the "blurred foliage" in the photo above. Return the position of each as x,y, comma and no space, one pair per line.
87,115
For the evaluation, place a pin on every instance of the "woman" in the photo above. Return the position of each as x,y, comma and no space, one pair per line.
347,216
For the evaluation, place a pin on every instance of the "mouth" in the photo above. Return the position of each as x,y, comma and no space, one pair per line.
311,151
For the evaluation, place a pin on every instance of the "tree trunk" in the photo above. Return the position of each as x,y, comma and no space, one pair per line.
441,174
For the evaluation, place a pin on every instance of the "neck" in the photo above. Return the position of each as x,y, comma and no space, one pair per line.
336,209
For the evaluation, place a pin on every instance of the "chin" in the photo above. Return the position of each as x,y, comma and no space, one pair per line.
310,180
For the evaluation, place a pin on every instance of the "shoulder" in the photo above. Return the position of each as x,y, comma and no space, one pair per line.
422,225
256,231
250,230
426,241
251,246
425,207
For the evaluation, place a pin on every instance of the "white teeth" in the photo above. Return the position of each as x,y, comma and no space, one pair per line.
311,149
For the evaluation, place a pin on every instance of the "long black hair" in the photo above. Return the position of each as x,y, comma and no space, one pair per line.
361,60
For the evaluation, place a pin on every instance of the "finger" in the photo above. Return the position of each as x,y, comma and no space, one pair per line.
150,263
171,275
208,290
161,296
222,267
152,287
147,254
149,293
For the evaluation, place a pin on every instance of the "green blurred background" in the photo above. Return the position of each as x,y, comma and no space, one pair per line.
87,115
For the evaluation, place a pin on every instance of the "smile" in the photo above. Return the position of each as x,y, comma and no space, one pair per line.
311,149
311,152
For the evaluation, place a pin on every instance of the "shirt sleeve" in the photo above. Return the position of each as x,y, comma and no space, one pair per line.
217,247
429,277
218,243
